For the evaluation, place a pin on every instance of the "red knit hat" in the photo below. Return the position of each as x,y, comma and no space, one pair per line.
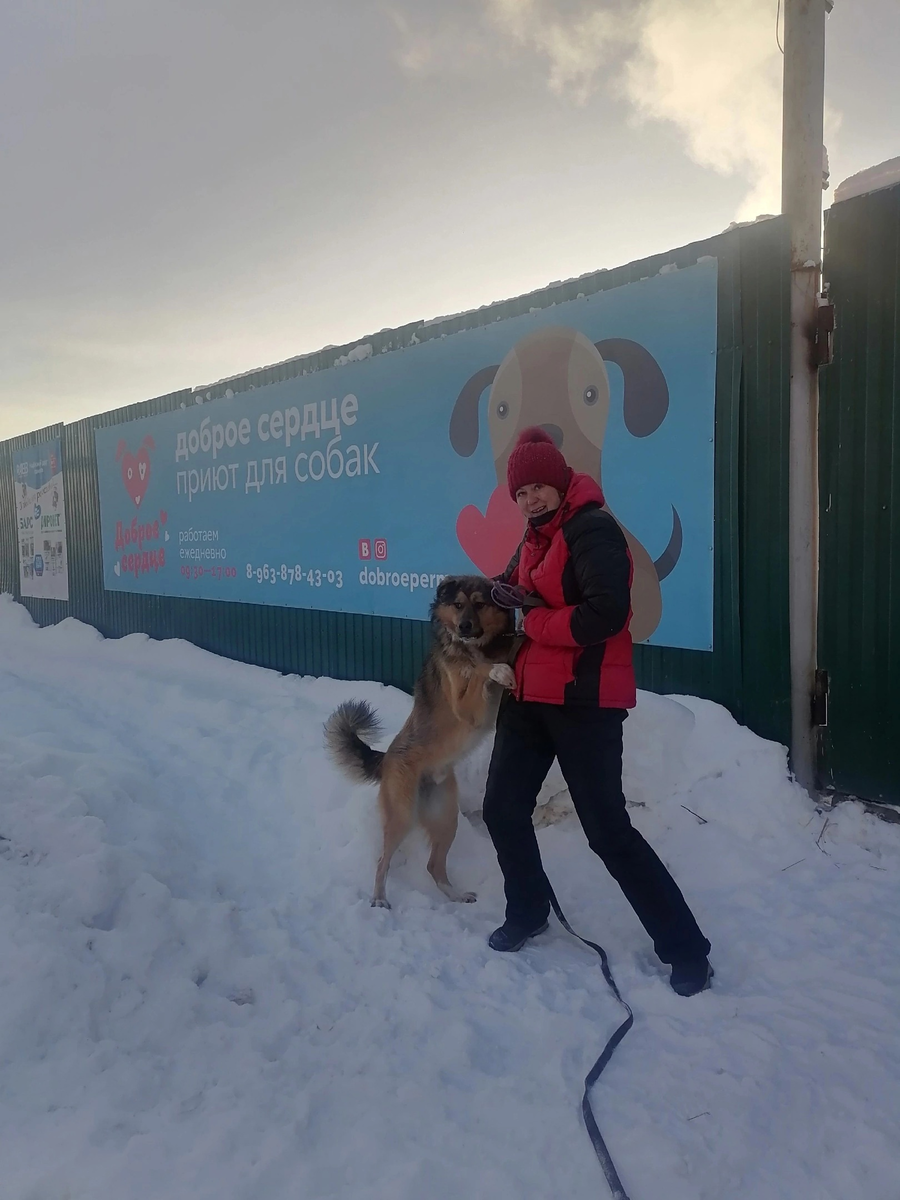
535,459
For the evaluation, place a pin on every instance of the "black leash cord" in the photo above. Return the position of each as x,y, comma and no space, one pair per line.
606,1162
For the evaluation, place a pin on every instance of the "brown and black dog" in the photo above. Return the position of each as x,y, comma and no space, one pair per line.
455,704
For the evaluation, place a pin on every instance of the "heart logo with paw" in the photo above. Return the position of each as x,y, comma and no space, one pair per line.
135,468
490,539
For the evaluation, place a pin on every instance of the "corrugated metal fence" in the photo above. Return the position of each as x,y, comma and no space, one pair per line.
859,465
747,670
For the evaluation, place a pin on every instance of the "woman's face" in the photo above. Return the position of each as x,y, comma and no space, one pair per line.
537,499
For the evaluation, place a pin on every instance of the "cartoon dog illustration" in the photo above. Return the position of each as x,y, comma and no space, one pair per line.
556,378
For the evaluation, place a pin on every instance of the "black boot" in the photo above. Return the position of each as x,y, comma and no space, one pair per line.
691,976
512,936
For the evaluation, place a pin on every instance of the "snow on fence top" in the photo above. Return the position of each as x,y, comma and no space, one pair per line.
873,179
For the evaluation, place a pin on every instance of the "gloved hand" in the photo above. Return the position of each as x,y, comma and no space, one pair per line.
532,600
506,596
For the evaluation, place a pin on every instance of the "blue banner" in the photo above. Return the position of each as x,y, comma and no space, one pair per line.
356,488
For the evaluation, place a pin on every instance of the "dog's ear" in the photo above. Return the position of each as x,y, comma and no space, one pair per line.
447,589
668,560
646,390
464,418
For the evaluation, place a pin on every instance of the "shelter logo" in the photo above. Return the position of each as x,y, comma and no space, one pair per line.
135,468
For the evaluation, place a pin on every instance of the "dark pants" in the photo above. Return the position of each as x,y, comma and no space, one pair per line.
587,742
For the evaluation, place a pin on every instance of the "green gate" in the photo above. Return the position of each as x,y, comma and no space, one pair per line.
859,476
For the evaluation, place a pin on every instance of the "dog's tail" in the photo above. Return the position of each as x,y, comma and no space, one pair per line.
350,752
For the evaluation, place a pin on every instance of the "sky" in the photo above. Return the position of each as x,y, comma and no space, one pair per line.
196,188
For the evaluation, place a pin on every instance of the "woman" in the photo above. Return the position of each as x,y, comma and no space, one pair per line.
574,682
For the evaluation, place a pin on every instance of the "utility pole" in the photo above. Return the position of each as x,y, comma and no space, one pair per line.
801,202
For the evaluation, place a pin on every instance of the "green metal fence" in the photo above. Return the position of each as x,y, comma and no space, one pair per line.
748,667
859,473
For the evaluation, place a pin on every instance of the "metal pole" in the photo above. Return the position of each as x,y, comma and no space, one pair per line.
801,197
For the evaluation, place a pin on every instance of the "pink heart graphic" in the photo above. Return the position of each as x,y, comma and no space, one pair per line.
136,474
135,469
490,540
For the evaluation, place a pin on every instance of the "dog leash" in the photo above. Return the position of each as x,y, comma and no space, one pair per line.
593,1129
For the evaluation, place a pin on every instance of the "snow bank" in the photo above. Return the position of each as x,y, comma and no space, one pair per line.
197,1001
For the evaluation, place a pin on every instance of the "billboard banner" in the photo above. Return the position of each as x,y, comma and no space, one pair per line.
355,489
41,521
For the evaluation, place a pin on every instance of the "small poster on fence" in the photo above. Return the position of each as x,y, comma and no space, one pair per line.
41,521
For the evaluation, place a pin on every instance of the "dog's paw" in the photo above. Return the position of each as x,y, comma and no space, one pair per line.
503,674
457,897
379,903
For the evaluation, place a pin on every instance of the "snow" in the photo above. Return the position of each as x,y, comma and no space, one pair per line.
886,174
474,312
196,1000
357,354
744,224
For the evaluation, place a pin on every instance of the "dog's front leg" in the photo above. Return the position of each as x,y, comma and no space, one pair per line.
463,696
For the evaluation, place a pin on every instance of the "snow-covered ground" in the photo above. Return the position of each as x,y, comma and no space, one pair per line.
196,1000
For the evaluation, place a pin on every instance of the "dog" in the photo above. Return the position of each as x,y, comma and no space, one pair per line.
556,377
455,704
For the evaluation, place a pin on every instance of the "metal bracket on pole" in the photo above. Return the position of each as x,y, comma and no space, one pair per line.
825,326
820,700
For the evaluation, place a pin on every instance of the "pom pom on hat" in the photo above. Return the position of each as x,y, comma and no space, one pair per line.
534,433
535,459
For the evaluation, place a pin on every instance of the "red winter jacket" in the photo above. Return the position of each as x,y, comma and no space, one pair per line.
578,649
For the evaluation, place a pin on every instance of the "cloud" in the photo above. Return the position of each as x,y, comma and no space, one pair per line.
417,47
576,41
713,69
709,68
448,43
